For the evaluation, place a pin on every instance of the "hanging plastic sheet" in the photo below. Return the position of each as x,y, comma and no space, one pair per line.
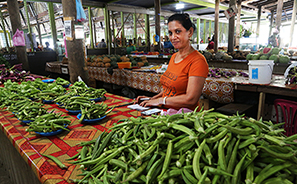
80,13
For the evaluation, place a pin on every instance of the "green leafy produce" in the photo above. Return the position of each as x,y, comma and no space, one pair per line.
264,57
195,147
255,57
284,59
274,57
227,57
249,56
207,55
275,50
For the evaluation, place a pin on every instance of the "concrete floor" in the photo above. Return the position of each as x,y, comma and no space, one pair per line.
4,177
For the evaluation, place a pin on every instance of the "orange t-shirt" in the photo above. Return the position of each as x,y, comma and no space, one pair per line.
175,79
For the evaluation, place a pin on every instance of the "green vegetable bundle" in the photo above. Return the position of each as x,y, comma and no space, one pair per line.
203,147
49,123
61,81
95,111
78,102
27,110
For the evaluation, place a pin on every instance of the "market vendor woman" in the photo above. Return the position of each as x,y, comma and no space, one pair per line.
184,78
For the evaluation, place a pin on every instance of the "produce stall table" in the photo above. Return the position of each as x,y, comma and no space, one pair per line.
217,89
276,87
30,145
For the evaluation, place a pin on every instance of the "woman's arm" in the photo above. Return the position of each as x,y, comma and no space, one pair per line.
188,100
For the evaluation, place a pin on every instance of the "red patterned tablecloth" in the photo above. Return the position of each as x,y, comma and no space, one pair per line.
62,146
219,90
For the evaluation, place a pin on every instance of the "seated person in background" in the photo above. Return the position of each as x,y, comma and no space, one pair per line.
102,44
130,47
47,47
167,43
210,44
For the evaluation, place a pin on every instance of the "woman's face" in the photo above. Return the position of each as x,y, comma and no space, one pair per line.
178,35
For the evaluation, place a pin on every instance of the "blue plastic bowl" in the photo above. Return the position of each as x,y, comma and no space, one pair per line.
48,101
66,86
73,111
96,99
90,120
25,121
48,80
50,133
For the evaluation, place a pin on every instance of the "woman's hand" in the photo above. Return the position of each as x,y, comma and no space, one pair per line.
151,102
138,99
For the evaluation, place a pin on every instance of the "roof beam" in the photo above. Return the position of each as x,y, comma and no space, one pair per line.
211,4
194,9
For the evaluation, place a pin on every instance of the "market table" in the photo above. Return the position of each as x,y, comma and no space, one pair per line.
30,145
277,86
217,89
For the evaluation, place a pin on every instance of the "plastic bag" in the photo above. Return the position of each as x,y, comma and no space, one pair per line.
18,38
80,13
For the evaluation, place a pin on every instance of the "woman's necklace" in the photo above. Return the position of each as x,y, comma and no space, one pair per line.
178,58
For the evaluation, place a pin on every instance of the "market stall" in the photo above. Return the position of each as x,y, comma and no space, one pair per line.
65,145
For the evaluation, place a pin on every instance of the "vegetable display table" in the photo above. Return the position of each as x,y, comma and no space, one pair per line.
30,145
217,89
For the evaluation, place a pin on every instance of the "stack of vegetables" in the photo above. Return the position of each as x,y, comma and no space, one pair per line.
216,56
218,73
292,76
17,98
112,60
15,74
269,54
196,147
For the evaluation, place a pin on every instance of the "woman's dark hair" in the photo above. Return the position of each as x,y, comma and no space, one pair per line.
184,19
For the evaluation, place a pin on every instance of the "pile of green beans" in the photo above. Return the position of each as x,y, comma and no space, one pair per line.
27,110
196,147
80,89
49,123
62,82
95,111
77,103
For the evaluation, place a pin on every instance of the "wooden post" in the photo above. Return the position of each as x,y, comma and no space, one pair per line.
198,31
209,29
13,10
113,33
216,32
75,47
231,30
147,30
157,21
293,21
28,24
238,23
53,23
258,21
123,30
135,28
204,31
91,27
279,12
95,35
220,32
271,22
4,31
107,28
